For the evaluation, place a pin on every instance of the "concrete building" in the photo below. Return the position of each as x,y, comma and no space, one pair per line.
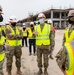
58,17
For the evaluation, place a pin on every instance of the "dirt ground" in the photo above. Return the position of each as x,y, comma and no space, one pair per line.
29,63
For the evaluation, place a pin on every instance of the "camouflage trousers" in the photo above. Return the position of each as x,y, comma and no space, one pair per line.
43,50
13,51
1,67
1,62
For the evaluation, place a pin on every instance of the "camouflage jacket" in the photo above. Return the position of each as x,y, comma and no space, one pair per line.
62,59
52,39
9,34
71,28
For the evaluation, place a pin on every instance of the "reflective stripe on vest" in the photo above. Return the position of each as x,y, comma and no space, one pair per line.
70,50
14,42
2,56
2,39
43,36
69,38
24,32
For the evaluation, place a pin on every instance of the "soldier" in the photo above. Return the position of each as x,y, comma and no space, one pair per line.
53,31
13,40
69,32
2,54
65,57
44,40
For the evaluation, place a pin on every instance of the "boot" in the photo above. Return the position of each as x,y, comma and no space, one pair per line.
19,71
45,71
9,73
51,57
40,71
2,73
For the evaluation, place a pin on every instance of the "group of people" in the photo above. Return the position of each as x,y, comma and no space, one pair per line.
42,37
28,32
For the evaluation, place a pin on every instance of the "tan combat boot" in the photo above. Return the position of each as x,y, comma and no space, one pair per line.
45,71
19,71
40,71
9,73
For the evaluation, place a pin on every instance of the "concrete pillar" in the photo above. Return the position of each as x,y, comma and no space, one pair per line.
60,21
52,16
65,24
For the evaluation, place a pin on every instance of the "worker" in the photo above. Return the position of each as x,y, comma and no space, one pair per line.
69,32
25,33
13,41
32,40
50,22
44,40
65,57
53,31
2,53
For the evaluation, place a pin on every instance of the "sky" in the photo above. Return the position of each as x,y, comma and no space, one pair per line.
22,8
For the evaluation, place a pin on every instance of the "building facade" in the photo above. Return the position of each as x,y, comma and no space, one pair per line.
58,17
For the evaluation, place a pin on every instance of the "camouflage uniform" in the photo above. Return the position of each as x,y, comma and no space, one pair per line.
62,55
1,67
1,62
13,50
62,59
53,42
71,28
1,51
45,50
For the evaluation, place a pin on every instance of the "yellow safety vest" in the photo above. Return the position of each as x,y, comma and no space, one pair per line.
69,38
2,55
43,36
24,32
2,39
14,42
30,35
70,50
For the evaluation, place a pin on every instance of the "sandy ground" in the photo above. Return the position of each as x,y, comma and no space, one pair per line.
29,63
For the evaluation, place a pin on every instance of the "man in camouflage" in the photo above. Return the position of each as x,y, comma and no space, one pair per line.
43,48
70,28
13,33
62,55
49,22
2,54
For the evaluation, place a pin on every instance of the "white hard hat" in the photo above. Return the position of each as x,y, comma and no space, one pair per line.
71,13
23,24
6,22
49,21
13,19
41,15
32,23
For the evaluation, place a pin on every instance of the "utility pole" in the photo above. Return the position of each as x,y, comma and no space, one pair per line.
31,16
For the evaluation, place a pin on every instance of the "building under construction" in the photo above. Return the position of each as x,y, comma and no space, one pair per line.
58,17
